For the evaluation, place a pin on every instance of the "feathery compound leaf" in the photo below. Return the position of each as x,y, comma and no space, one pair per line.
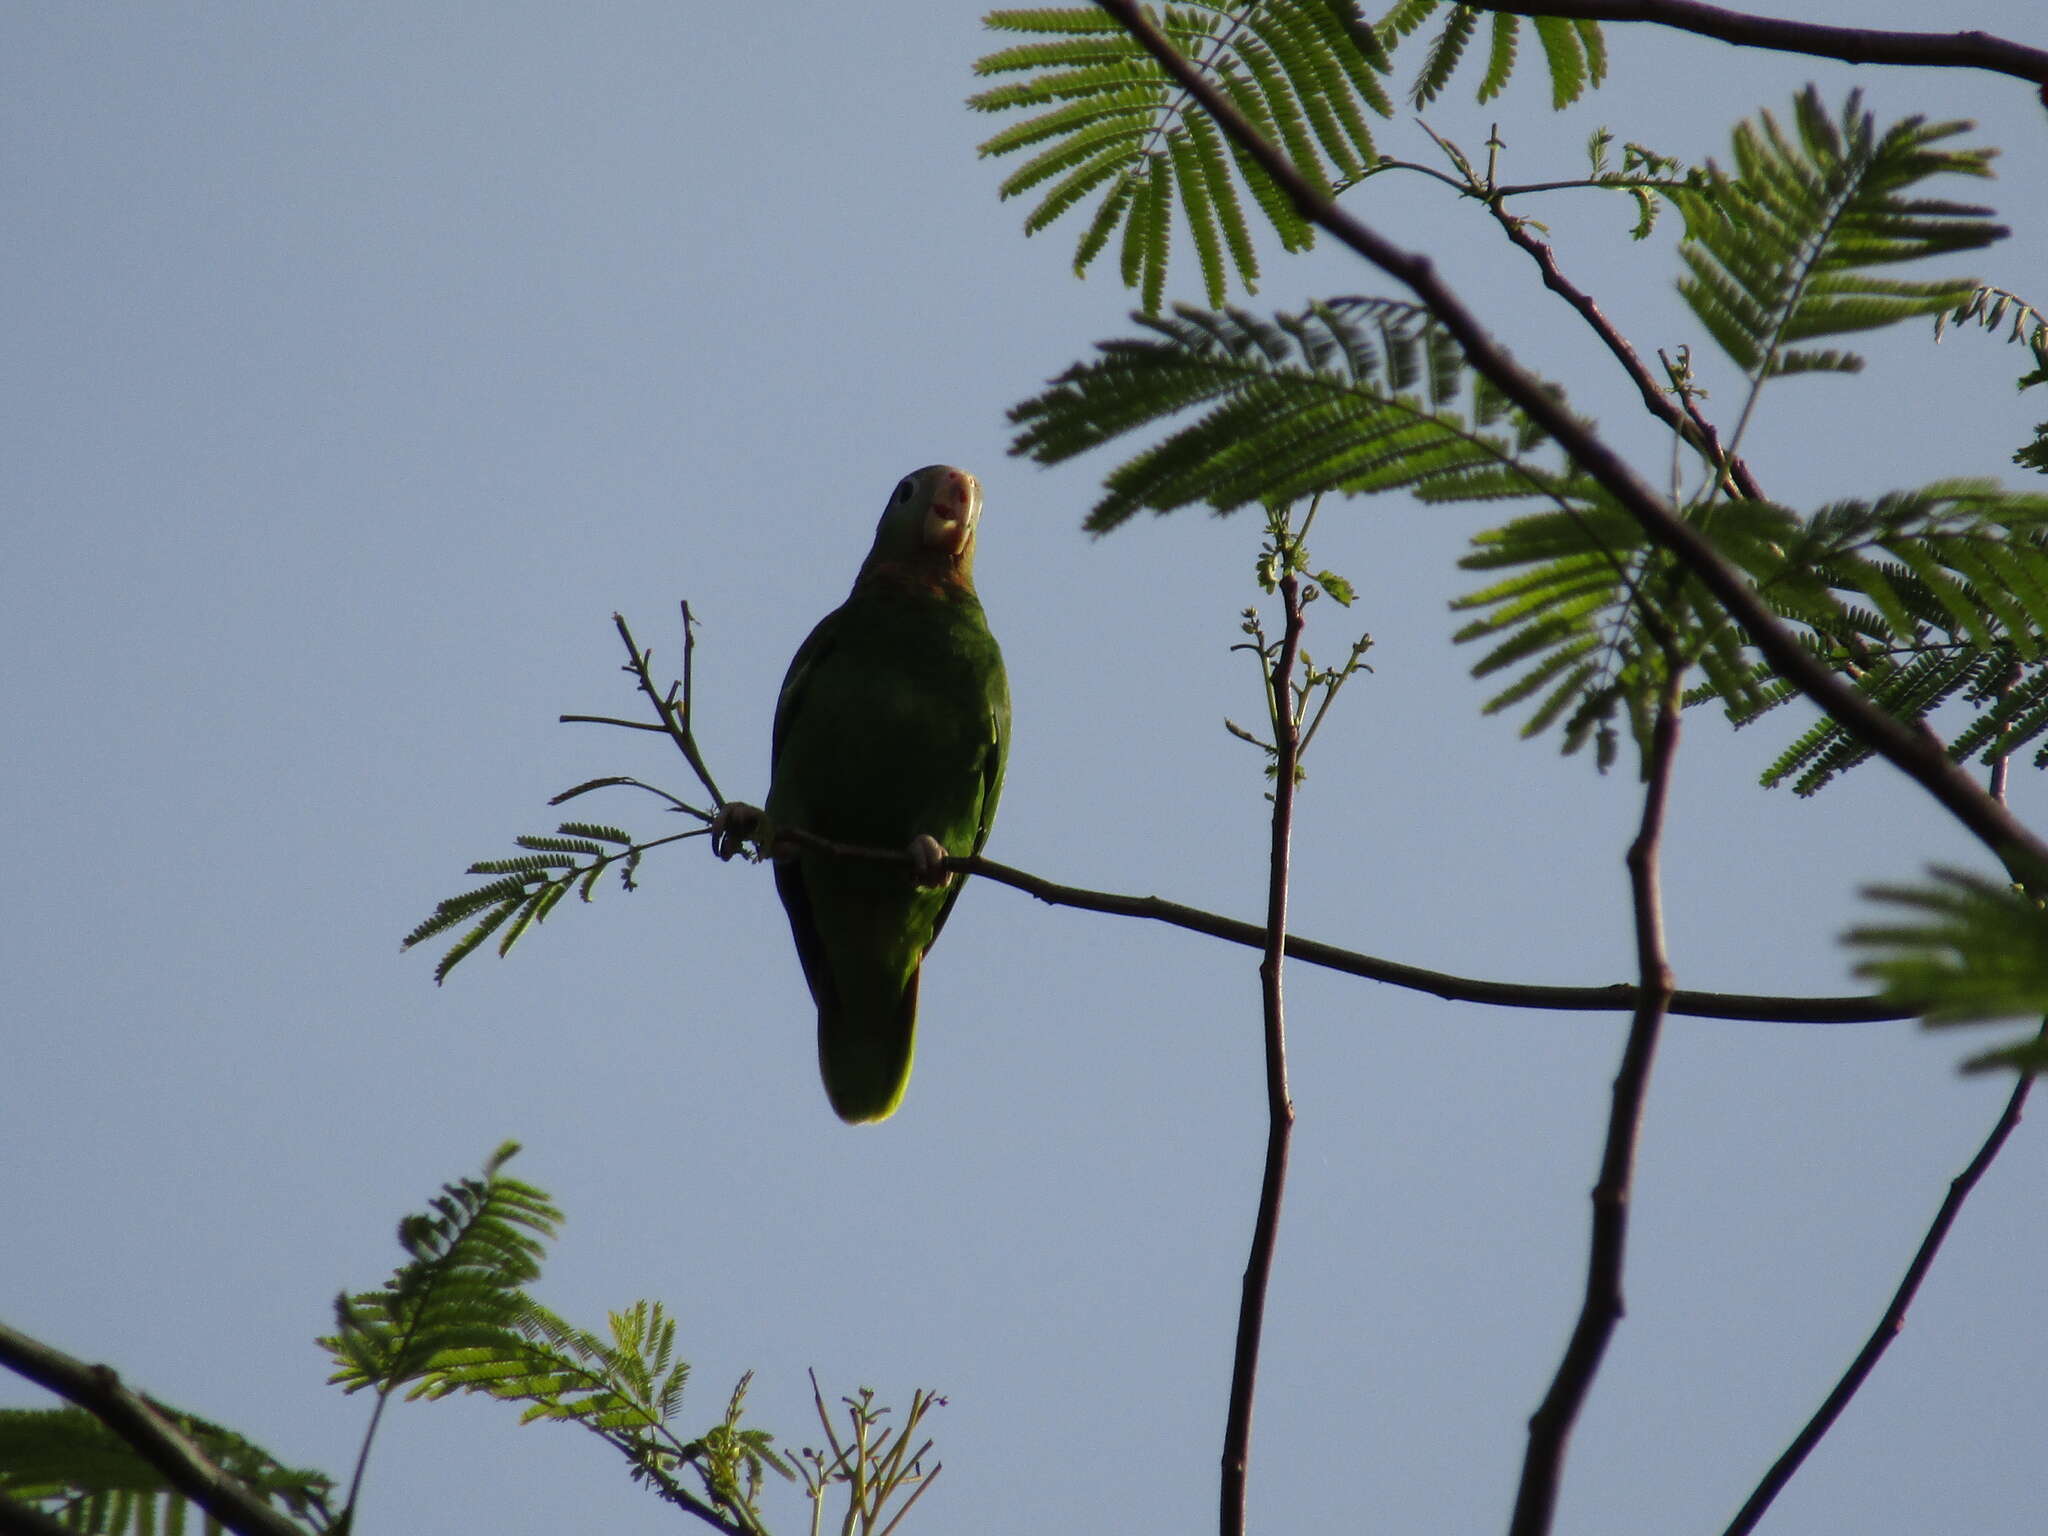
470,1253
1596,616
1783,250
1354,395
1110,124
532,884
1574,51
1977,953
62,1460
1923,599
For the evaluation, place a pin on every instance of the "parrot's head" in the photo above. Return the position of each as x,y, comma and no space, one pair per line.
927,529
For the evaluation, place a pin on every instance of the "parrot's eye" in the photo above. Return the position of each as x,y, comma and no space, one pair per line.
903,491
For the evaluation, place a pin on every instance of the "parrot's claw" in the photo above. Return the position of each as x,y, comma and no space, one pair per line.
735,822
928,861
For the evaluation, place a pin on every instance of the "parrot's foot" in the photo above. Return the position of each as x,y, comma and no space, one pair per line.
928,861
735,822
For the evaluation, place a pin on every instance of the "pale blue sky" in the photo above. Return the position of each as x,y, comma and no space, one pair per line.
366,359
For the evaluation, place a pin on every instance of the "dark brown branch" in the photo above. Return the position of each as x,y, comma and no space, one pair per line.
1683,417
1894,1319
1852,45
17,1519
1913,749
1888,1326
1618,998
152,1436
1258,1270
674,713
1550,1426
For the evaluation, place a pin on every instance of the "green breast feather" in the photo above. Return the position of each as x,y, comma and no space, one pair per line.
892,728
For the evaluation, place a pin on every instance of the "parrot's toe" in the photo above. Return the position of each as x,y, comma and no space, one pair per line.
928,861
735,822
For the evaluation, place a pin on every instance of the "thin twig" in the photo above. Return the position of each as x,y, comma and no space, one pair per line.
1891,1324
148,1432
1853,45
1911,748
1894,1320
1550,1426
1684,417
1621,997
1251,1312
673,714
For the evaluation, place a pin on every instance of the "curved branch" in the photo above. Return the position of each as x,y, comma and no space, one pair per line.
99,1391
1852,45
1617,998
1889,1326
1550,1426
1913,749
1684,417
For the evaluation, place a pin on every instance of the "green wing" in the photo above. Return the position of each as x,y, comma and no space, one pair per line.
894,721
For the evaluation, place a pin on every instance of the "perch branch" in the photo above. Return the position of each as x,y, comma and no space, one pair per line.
1617,998
1620,997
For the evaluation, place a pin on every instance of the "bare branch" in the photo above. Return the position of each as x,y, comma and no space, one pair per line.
673,712
1890,1325
1617,998
1550,1426
1913,749
1684,417
99,1391
1852,45
1894,1319
1251,1311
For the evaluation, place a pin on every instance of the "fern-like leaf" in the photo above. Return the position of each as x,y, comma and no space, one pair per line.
468,1256
1926,599
1972,951
1786,248
1574,51
65,1463
1354,395
1109,124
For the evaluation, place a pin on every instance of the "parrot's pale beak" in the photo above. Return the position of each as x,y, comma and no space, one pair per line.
955,509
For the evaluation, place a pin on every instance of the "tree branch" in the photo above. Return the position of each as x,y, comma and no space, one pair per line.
1251,1311
1620,997
99,1391
18,1519
1550,1426
1852,45
1617,998
1683,417
1894,1319
1914,750
1890,1325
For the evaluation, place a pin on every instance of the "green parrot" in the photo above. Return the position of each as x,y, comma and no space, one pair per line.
891,732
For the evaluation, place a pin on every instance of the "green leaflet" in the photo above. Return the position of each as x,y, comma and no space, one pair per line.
1354,395
1929,599
1108,124
1786,248
1964,950
64,1459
